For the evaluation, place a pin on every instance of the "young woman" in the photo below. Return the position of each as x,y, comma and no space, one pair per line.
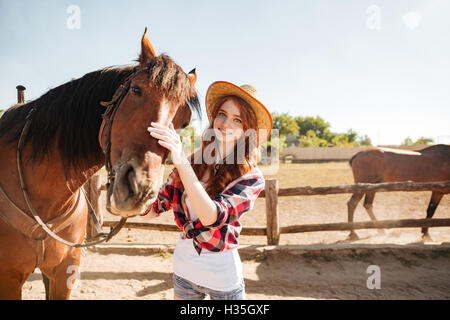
209,191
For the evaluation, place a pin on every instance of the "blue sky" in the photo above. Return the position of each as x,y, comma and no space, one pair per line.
381,68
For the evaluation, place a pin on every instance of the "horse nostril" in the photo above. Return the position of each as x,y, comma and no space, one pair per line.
131,181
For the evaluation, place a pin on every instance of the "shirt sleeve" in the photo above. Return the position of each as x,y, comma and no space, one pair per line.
236,200
166,193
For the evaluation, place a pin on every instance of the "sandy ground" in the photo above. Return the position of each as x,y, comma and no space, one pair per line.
419,272
300,267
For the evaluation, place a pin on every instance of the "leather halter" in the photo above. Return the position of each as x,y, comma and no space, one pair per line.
108,118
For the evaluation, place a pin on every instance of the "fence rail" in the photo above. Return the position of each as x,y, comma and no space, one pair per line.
272,192
339,226
443,186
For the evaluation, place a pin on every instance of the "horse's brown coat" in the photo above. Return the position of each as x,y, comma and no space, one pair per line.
52,186
377,165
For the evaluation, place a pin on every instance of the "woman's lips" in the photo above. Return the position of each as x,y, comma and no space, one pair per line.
224,132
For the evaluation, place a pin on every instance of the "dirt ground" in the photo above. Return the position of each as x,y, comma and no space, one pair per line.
418,272
316,265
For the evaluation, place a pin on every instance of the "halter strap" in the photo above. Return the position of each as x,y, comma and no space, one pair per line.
37,218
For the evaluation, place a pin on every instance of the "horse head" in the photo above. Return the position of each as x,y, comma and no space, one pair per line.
158,91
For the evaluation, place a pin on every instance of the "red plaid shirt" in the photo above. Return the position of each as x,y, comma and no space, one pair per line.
238,197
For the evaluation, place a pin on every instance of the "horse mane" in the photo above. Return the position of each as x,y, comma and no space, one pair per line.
173,82
70,114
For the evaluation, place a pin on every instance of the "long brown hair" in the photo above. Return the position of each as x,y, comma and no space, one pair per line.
222,174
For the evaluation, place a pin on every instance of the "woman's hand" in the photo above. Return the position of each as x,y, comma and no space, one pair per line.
150,214
203,205
169,139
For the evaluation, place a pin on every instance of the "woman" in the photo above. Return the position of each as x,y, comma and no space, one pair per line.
209,191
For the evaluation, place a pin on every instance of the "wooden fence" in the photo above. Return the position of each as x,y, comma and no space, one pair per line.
272,192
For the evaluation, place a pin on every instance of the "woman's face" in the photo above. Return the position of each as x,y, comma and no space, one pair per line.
228,124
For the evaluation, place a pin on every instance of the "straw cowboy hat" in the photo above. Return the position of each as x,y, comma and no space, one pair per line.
247,92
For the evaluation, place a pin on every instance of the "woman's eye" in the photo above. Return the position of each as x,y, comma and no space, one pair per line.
221,114
237,120
136,91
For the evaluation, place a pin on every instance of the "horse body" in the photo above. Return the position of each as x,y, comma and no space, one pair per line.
377,165
390,165
19,252
63,149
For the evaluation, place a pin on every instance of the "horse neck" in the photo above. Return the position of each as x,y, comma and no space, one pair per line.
51,188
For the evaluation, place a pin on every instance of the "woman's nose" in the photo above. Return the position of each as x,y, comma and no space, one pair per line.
227,124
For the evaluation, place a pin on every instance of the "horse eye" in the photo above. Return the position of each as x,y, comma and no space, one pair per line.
184,125
137,91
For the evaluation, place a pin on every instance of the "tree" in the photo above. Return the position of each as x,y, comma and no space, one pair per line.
341,140
285,124
364,141
317,124
315,132
407,142
351,136
424,140
312,140
188,138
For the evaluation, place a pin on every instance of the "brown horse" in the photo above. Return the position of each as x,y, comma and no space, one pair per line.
377,165
63,149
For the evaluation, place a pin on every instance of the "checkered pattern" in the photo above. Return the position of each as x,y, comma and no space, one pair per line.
237,198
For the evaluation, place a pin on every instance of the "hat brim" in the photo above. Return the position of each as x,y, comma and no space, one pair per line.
221,89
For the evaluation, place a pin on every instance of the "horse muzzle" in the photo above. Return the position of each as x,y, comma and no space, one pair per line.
131,192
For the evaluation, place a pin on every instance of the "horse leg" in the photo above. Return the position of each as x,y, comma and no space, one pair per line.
47,286
432,206
368,205
17,262
63,276
12,281
11,286
351,206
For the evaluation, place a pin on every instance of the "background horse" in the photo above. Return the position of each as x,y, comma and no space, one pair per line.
377,165
62,151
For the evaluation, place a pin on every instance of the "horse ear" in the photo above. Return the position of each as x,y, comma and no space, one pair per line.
147,51
192,75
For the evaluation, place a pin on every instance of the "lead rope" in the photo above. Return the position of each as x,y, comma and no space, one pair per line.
94,217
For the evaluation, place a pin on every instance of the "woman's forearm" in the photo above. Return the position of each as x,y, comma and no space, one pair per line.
202,204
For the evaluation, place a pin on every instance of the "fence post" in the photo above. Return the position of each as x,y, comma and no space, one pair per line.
20,94
273,227
92,188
